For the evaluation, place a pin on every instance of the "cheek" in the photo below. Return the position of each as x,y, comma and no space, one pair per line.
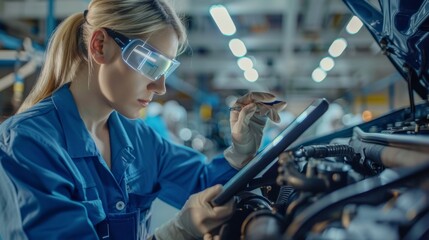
118,82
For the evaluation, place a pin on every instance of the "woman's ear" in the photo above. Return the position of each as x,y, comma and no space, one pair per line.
97,46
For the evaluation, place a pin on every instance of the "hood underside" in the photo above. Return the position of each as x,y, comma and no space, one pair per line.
401,29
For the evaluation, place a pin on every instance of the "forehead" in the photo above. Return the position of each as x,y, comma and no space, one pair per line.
165,41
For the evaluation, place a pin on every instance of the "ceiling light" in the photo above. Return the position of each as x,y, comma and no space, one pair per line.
222,19
251,75
318,75
337,47
185,134
354,25
245,63
327,64
237,47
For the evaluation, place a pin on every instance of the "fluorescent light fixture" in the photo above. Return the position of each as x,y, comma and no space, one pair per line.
237,47
245,63
223,20
318,75
354,25
251,75
337,47
327,64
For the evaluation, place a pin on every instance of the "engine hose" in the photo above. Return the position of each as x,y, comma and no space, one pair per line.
389,156
396,157
300,182
368,150
322,151
284,194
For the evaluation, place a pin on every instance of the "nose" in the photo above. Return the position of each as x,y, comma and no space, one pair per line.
158,86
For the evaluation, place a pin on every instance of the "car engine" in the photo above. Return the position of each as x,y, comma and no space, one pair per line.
370,185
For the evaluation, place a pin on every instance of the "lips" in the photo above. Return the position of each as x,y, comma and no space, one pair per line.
143,103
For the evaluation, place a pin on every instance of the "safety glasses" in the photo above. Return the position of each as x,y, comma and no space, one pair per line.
142,57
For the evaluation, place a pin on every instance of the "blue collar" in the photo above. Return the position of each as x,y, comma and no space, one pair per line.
79,141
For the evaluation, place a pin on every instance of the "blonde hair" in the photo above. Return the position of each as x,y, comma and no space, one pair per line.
67,47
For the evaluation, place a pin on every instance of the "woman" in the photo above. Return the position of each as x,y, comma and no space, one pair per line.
83,165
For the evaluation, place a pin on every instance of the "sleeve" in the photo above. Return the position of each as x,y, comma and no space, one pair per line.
184,171
38,168
11,227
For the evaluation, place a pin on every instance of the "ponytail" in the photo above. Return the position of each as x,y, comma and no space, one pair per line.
64,55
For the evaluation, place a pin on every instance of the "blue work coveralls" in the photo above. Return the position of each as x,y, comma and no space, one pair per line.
64,188
10,219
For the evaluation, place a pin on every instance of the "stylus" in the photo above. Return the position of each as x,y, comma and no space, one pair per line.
238,108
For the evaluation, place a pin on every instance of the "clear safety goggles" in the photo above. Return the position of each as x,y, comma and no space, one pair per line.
143,58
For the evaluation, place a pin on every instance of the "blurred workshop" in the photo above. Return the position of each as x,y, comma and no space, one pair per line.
358,171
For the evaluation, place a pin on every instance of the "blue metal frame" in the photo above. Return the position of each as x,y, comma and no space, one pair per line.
50,21
9,42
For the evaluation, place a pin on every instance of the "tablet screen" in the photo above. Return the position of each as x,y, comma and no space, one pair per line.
291,133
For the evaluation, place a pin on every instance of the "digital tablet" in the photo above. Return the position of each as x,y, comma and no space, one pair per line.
291,133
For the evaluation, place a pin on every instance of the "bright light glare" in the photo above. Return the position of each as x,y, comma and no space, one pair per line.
237,47
222,19
367,116
337,47
327,64
354,25
318,75
198,144
251,75
185,134
245,63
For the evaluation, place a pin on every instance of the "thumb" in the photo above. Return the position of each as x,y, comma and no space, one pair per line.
245,114
211,192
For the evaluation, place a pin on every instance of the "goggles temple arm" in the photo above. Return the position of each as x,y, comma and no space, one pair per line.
120,39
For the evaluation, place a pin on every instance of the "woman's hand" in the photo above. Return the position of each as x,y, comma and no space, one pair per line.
248,117
197,218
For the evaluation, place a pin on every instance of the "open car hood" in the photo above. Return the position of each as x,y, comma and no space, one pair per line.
401,29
